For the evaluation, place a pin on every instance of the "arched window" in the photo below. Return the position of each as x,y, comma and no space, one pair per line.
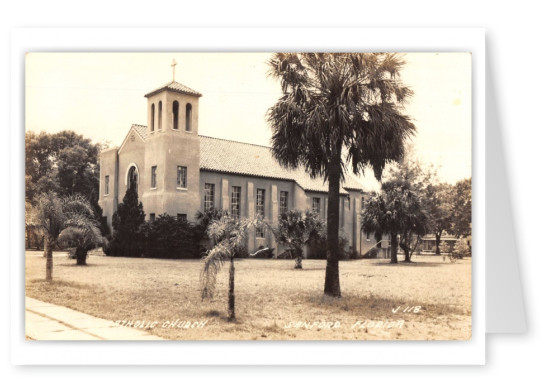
132,178
175,110
188,117
160,115
152,117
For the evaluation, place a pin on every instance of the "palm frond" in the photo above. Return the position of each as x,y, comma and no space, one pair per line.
333,100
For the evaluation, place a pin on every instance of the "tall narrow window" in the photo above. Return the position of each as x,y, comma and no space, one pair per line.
106,184
160,115
260,198
283,202
152,117
316,204
235,201
132,179
181,177
188,117
209,196
152,217
175,110
153,177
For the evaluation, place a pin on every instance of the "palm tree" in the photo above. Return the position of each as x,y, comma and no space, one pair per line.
380,217
338,109
396,211
228,234
58,213
297,229
82,239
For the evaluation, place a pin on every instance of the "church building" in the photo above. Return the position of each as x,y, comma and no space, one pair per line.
180,172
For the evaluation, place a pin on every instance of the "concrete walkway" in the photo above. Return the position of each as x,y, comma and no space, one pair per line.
45,321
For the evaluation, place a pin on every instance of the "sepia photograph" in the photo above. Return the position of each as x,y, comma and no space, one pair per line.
248,196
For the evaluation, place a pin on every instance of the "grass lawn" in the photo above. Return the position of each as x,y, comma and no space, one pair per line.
270,297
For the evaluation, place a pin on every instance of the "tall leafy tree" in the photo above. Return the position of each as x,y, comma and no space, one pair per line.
65,162
127,221
462,208
437,200
338,109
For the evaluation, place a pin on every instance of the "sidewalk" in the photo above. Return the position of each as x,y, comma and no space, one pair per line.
45,321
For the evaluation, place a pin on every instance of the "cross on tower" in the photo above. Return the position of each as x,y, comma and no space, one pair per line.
173,65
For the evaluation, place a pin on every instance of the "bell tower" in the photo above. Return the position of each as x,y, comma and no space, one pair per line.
172,151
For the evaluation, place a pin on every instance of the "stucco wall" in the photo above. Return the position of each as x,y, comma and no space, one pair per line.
108,166
131,154
167,150
167,97
223,184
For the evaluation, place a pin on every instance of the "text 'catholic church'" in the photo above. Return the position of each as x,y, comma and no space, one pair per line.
179,172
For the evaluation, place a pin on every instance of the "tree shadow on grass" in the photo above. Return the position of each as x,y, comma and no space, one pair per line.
410,264
306,269
75,265
60,283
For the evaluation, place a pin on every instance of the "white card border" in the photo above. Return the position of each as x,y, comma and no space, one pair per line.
24,352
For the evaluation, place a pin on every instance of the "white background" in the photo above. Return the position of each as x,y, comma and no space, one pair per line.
517,49
249,353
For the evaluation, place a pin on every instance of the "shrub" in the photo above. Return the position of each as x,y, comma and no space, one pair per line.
371,254
318,247
263,253
169,237
241,252
461,249
287,254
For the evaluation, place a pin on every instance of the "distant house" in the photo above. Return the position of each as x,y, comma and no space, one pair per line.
428,242
179,172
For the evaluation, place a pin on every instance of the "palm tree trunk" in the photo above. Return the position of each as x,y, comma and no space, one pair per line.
393,248
298,262
45,240
81,256
231,292
332,283
48,245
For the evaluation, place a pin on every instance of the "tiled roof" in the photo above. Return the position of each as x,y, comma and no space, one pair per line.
141,129
176,87
256,160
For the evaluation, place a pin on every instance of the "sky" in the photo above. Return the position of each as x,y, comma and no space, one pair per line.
100,95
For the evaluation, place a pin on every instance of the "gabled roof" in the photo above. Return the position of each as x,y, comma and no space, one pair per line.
175,87
234,157
141,129
255,160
